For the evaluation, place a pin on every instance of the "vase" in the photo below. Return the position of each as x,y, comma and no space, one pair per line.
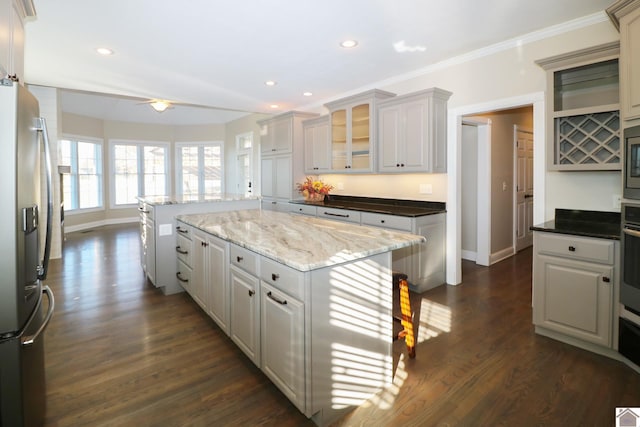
315,197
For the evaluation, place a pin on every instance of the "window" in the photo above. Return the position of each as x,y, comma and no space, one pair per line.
199,168
139,169
82,187
244,163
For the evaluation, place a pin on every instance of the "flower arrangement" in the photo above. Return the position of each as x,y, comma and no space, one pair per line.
314,189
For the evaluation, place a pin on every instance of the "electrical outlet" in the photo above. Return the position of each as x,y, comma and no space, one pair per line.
617,201
426,189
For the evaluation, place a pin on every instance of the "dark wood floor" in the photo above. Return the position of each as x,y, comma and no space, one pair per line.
120,353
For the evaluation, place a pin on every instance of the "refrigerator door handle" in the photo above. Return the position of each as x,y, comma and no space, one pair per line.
44,266
30,339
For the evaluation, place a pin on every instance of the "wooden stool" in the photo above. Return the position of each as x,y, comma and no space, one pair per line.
400,281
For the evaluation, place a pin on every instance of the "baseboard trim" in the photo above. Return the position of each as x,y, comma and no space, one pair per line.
96,224
500,255
469,255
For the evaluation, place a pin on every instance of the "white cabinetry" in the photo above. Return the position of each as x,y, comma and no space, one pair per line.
412,132
147,241
353,131
12,15
281,164
625,14
184,252
583,109
573,286
317,146
244,288
209,285
283,329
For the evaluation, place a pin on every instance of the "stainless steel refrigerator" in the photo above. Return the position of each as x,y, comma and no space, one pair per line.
24,147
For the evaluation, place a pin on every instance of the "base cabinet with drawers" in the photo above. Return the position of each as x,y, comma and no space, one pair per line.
574,286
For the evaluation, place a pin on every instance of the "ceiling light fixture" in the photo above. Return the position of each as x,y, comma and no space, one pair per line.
274,106
307,94
270,83
348,44
104,51
160,105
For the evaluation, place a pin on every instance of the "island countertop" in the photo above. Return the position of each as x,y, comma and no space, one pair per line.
303,243
196,198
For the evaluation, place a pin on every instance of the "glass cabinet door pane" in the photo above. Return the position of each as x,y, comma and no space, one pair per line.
360,139
339,139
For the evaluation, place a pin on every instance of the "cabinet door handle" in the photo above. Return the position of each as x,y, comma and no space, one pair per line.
278,300
606,279
143,211
204,244
182,230
572,248
382,221
275,276
239,258
251,293
180,278
181,251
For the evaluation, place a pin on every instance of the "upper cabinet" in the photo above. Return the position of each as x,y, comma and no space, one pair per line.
412,132
625,15
583,110
353,129
317,146
12,16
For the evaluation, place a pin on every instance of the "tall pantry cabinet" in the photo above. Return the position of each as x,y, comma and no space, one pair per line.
281,164
12,16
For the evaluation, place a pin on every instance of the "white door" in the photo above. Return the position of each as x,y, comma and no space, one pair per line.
524,187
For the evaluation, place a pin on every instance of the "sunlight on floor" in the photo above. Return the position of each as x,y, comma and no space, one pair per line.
435,319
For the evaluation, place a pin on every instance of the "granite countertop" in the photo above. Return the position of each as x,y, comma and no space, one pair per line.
198,198
599,224
399,207
301,242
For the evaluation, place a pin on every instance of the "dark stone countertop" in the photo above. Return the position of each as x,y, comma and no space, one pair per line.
398,207
599,224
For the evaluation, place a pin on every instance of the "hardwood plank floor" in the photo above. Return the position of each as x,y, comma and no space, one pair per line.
120,353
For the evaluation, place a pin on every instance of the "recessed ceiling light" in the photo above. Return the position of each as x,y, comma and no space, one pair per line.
307,94
274,106
349,44
270,83
104,51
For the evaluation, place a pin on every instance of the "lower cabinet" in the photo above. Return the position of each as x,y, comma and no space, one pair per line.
245,312
209,285
573,286
282,330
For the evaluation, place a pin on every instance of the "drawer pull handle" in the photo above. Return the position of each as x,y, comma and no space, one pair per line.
181,251
251,293
182,230
605,279
275,276
279,301
572,248
143,211
239,258
180,278
334,214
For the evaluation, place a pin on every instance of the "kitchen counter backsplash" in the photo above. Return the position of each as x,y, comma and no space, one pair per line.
410,208
583,223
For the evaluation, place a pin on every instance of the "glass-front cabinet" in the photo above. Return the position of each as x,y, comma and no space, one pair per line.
353,129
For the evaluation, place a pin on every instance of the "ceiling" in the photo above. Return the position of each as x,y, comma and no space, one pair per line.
218,54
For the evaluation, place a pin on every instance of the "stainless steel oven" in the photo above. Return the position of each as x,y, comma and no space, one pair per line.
629,331
631,138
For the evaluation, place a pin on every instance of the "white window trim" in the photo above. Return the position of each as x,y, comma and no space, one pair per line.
178,162
242,151
112,170
93,140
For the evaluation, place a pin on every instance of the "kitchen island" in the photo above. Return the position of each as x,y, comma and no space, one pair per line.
157,225
308,300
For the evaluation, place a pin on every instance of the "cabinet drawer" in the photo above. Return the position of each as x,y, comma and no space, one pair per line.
386,221
282,277
574,247
183,249
146,210
183,275
339,214
303,209
183,230
244,258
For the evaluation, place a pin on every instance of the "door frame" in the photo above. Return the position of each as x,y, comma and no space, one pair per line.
454,173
